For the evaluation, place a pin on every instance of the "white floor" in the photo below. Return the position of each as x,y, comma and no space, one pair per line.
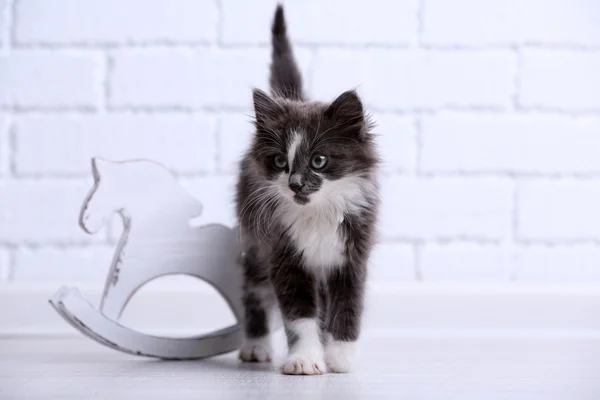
399,367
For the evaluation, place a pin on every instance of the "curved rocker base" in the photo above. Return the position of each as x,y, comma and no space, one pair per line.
84,317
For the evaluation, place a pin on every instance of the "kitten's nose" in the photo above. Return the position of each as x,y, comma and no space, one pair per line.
296,186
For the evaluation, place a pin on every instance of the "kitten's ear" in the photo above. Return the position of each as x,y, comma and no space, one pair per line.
347,107
265,108
348,115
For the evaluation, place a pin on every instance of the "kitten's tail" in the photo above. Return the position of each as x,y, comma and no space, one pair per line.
285,79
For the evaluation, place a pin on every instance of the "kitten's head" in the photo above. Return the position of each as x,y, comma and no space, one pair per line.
313,152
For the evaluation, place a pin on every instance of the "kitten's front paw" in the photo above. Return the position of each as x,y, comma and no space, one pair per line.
256,350
339,356
304,364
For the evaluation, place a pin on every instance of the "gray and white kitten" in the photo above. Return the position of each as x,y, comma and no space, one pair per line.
307,202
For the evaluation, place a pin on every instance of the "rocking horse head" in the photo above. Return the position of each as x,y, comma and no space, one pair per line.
140,187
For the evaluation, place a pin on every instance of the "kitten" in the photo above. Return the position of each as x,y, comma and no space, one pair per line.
307,202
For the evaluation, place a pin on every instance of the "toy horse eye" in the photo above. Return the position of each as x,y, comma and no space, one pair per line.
318,161
280,161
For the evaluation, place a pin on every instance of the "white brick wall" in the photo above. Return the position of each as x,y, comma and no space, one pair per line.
446,208
543,83
510,22
515,143
50,80
197,78
563,210
43,212
488,119
154,136
114,22
466,262
418,80
314,22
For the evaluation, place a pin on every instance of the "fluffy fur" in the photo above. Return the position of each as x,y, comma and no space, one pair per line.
307,202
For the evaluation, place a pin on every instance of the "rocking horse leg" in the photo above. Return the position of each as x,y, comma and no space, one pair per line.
258,300
117,294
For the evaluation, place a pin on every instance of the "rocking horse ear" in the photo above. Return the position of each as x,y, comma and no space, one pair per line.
95,168
101,167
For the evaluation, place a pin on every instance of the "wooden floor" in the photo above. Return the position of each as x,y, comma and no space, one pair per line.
392,367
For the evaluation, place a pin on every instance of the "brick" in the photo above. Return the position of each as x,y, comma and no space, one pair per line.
474,22
186,78
562,265
416,79
64,145
331,22
466,263
552,79
510,143
392,262
5,268
556,210
235,134
115,21
4,146
396,140
49,79
216,193
43,212
446,208
3,20
237,14
62,265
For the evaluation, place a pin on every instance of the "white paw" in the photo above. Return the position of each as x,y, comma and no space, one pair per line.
304,364
339,356
257,350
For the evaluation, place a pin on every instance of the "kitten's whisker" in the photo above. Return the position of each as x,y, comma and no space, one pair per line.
256,197
263,231
251,199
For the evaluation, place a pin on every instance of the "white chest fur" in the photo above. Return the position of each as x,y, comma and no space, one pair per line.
315,229
316,235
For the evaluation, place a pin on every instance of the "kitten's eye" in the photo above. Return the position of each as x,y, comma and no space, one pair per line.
280,161
318,161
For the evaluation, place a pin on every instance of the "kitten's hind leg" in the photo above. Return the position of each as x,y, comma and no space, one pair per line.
259,301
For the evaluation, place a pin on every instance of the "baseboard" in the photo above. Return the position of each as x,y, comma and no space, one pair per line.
424,308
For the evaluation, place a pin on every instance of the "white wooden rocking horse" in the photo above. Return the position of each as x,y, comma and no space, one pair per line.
157,240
